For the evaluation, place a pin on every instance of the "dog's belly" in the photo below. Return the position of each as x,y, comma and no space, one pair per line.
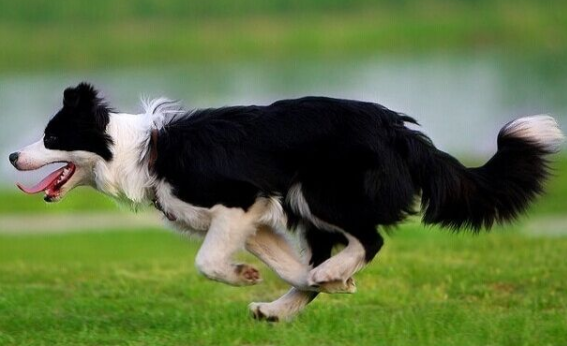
182,216
195,220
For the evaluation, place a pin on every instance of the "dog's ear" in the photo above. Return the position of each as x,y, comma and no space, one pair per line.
70,98
82,96
84,101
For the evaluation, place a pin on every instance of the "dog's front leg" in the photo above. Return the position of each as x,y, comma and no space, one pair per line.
229,229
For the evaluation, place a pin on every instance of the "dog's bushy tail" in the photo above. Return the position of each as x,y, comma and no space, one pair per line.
458,197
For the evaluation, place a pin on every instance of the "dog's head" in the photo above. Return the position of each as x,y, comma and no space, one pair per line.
75,136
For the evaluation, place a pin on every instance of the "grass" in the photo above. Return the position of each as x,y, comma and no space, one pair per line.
58,35
427,287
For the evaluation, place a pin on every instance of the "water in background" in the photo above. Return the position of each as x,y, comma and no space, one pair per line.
460,103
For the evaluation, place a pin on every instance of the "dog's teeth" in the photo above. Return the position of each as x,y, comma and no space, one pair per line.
64,175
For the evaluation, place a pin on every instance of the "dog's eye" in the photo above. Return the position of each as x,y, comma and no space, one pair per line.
49,140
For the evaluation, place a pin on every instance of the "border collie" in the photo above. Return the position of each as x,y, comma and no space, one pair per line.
327,171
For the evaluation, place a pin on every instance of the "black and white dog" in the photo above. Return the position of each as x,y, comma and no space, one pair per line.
329,170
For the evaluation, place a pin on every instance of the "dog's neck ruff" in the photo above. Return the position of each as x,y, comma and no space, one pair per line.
129,177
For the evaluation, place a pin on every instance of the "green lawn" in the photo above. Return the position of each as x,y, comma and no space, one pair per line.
42,35
427,287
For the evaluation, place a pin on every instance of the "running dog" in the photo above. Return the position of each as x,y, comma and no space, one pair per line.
327,171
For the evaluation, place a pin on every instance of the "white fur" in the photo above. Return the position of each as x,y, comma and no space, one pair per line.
274,215
297,201
126,177
161,111
36,155
227,234
189,218
540,129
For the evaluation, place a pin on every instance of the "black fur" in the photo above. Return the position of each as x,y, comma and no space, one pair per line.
321,243
359,166
81,123
497,192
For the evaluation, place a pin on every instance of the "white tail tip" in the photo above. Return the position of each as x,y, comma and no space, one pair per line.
540,129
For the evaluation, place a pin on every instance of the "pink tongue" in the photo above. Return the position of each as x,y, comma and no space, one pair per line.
44,184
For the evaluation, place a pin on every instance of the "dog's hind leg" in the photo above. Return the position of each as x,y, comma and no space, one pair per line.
340,268
274,250
321,244
346,212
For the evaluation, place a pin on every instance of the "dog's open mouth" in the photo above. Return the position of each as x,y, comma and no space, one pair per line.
52,184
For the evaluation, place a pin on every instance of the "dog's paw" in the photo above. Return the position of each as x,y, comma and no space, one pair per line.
247,275
323,274
339,286
261,312
329,281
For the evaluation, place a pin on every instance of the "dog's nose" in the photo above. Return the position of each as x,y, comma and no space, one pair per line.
14,158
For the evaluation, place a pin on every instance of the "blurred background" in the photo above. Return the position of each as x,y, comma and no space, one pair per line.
462,68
